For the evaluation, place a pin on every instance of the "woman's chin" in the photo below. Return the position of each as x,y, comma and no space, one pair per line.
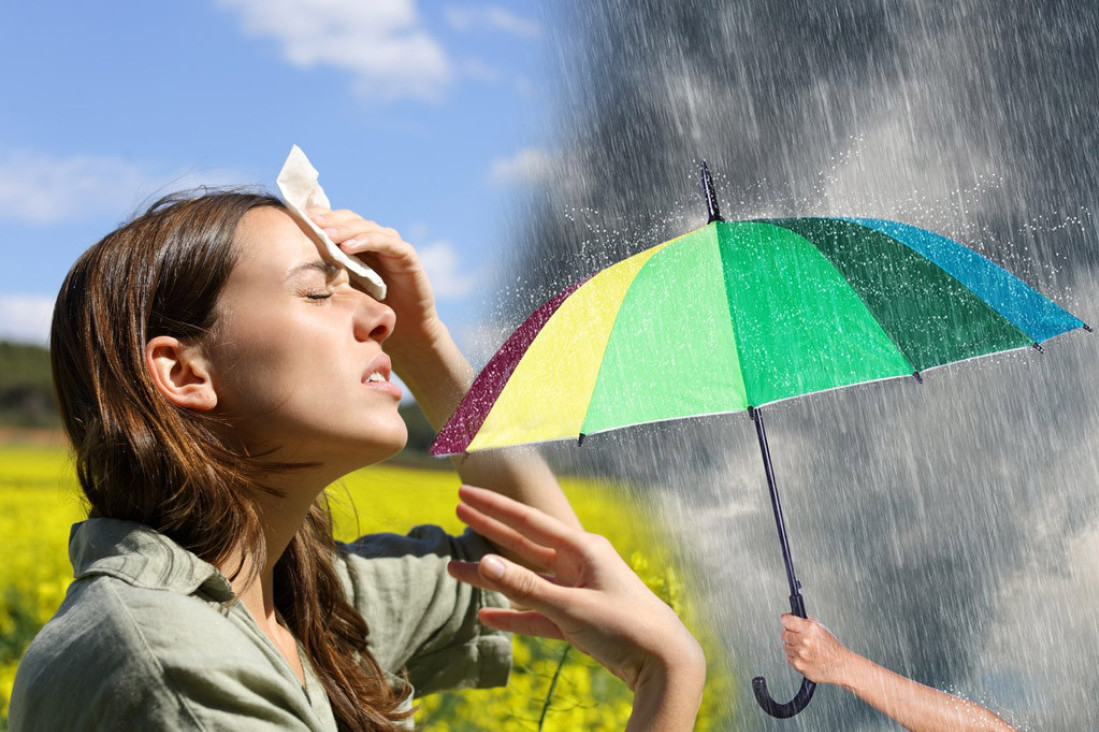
384,446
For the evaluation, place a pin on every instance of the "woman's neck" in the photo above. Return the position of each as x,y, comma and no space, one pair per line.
282,507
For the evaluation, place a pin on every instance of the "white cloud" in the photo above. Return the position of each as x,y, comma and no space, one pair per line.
528,166
38,188
25,318
382,42
441,262
491,17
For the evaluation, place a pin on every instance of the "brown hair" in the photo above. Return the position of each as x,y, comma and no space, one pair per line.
141,458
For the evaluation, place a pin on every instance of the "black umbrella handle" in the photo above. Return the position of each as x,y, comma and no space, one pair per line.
790,708
805,693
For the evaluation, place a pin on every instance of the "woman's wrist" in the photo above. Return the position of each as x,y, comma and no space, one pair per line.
668,690
435,371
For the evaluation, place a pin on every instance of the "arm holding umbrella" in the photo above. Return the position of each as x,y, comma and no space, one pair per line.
814,652
590,598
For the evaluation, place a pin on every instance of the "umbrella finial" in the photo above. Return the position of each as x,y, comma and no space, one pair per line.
708,192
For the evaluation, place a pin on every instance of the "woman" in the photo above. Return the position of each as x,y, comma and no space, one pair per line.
215,371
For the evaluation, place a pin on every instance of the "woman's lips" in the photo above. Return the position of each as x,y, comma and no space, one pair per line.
377,376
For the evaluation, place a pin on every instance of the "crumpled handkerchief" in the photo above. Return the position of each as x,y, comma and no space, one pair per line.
300,190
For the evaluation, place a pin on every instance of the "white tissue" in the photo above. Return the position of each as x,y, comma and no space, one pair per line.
297,182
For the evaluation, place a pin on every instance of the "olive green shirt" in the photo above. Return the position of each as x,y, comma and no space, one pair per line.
149,638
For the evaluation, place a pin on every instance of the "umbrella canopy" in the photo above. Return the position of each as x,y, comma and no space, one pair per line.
742,314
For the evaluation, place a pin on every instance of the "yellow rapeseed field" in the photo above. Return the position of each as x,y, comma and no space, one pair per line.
552,686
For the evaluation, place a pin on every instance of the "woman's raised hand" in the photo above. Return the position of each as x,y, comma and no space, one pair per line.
395,260
589,597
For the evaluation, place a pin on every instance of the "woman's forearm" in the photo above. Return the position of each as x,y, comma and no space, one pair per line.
668,700
439,376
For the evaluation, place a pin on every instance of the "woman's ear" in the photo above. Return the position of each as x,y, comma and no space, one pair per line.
180,372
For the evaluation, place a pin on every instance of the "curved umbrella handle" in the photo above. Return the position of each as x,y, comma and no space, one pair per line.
805,693
790,708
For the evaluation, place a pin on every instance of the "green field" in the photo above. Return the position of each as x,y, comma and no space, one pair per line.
39,501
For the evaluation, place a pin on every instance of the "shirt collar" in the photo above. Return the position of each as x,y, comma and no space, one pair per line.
136,554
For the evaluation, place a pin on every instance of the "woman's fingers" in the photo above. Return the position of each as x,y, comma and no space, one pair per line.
526,521
381,243
356,235
518,584
523,622
349,229
505,537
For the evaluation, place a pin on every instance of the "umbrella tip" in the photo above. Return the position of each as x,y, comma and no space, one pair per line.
708,192
917,377
1037,347
1088,328
580,440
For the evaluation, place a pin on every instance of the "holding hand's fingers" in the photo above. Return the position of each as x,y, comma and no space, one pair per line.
812,649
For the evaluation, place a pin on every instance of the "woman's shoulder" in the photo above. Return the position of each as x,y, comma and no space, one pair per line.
110,620
132,587
94,658
145,638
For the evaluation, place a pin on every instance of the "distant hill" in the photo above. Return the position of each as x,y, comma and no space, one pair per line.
26,387
26,397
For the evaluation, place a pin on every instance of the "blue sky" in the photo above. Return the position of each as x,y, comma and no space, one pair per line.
426,115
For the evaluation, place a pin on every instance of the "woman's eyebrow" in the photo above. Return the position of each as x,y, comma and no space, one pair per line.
328,269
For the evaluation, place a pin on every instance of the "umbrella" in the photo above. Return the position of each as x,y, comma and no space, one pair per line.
737,315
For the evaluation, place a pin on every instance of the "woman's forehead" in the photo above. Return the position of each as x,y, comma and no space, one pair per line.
269,239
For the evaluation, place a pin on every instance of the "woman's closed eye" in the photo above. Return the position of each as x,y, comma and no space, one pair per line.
319,280
317,295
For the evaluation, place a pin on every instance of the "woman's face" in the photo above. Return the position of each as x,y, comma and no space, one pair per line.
296,358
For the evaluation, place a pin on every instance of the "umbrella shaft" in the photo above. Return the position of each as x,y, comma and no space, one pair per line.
797,604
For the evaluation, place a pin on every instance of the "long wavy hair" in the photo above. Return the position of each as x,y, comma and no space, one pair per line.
139,457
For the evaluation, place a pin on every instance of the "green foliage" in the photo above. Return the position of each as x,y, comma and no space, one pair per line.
551,688
26,386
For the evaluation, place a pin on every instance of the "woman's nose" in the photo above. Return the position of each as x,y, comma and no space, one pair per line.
373,320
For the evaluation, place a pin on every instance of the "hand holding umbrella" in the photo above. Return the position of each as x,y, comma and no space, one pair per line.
813,651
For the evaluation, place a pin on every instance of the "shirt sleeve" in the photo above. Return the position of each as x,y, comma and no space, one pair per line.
420,619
